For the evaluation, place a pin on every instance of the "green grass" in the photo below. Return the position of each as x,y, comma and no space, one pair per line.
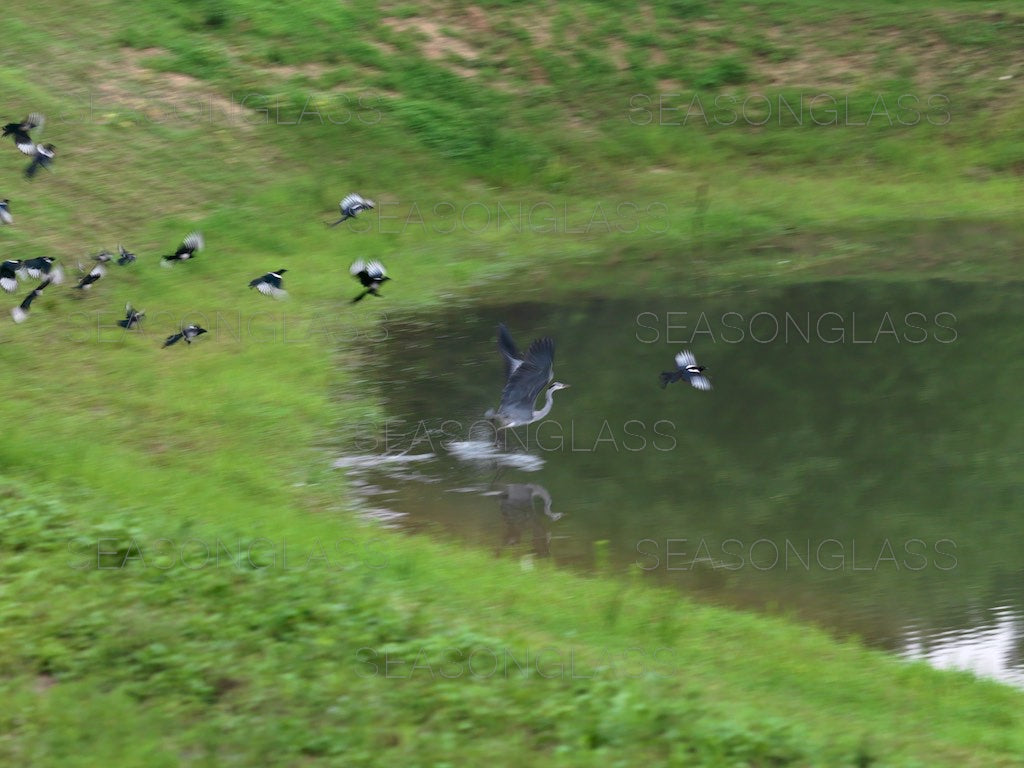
106,436
255,659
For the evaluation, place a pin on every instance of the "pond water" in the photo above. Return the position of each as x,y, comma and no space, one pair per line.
859,462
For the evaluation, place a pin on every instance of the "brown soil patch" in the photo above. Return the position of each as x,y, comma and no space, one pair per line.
435,44
163,96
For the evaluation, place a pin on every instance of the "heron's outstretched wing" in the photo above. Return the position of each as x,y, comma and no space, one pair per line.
528,380
508,350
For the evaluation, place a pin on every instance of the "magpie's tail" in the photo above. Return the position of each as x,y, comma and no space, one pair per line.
336,223
174,339
360,297
668,378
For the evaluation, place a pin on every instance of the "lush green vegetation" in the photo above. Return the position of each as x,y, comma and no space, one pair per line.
192,114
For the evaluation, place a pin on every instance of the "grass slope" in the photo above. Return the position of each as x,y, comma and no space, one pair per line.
465,111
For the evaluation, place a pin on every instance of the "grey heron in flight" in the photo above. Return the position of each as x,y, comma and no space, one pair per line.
527,377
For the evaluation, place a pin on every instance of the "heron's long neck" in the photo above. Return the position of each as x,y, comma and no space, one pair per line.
536,490
549,400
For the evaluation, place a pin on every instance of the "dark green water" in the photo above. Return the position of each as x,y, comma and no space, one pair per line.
859,462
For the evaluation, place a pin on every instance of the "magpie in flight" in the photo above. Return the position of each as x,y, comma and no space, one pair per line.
125,257
103,256
20,132
687,368
270,284
190,246
187,333
44,266
94,274
9,275
132,317
20,312
351,207
5,212
42,157
370,275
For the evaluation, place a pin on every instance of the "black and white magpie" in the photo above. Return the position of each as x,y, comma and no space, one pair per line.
350,207
42,157
125,257
187,333
270,284
5,212
132,317
20,132
190,246
370,275
9,275
687,368
93,275
43,266
20,312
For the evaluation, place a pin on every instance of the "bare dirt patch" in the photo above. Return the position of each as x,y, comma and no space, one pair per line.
921,55
161,96
435,44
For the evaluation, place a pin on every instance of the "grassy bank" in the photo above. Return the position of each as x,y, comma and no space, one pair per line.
496,148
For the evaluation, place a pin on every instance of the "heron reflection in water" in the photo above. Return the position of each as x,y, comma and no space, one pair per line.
520,512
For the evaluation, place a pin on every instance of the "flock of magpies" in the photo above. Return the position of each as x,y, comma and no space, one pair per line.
370,274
